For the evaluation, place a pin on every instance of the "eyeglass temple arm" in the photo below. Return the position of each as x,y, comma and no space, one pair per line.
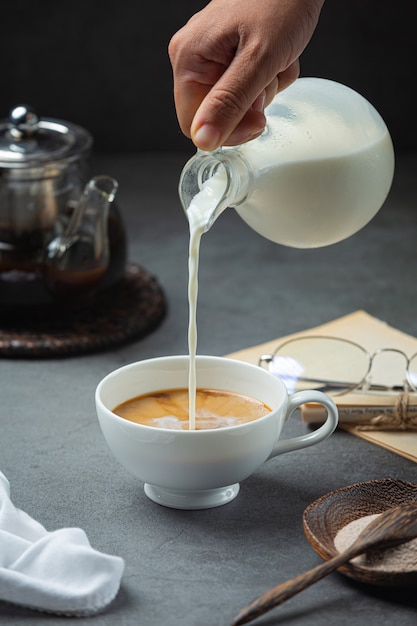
333,384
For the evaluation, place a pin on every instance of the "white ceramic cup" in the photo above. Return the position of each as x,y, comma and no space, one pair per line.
198,469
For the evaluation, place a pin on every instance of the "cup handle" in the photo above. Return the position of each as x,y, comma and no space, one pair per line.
310,439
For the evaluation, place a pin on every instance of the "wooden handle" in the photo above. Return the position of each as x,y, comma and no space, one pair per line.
279,594
392,527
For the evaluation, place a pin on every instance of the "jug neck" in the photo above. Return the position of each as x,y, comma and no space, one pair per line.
229,166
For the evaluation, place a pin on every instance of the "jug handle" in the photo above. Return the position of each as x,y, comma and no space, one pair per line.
295,400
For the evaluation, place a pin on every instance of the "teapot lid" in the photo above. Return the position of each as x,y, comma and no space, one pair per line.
27,140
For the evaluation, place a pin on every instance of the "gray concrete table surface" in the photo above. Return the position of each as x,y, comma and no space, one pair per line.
198,568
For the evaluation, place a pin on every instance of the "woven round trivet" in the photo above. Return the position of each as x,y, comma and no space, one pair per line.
128,311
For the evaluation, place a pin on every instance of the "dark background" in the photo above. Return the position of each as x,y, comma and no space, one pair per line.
104,64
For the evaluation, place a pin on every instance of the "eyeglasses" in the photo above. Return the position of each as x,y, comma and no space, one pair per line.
338,366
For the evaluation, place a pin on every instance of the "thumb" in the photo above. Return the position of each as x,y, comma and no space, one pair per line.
231,112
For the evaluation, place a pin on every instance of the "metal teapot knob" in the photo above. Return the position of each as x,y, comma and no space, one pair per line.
23,122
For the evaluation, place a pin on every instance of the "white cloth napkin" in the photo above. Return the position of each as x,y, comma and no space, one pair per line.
57,572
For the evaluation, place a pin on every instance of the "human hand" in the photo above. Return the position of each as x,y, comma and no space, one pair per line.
231,59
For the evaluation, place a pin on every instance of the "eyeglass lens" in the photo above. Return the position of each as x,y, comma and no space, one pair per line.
331,365
412,372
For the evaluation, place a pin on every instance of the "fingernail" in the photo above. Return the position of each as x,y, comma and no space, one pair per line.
206,137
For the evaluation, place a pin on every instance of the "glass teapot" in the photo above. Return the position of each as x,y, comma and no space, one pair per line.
61,235
319,172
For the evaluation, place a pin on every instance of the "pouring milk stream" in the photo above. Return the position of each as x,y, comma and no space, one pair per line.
319,173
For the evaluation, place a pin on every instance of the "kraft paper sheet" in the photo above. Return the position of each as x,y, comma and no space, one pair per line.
355,409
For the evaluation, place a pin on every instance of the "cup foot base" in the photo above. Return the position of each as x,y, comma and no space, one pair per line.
192,499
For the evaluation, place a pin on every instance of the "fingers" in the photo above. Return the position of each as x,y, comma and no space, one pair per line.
250,126
232,111
229,124
226,125
224,106
208,137
231,59
222,82
288,76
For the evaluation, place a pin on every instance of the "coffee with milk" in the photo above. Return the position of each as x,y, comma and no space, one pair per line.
170,409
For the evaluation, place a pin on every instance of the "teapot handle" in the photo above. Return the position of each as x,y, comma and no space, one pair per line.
295,400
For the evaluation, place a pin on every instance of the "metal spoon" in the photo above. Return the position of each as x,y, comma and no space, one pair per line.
391,528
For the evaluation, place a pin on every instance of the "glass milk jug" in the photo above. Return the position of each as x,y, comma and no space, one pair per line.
319,172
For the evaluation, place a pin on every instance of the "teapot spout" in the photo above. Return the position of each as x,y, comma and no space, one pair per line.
77,260
93,207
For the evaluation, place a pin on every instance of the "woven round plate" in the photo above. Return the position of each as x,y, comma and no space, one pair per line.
129,310
323,519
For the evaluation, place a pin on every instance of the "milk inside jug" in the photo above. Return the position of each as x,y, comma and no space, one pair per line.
319,172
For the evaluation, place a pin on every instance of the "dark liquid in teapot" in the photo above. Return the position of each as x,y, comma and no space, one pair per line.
76,283
26,284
